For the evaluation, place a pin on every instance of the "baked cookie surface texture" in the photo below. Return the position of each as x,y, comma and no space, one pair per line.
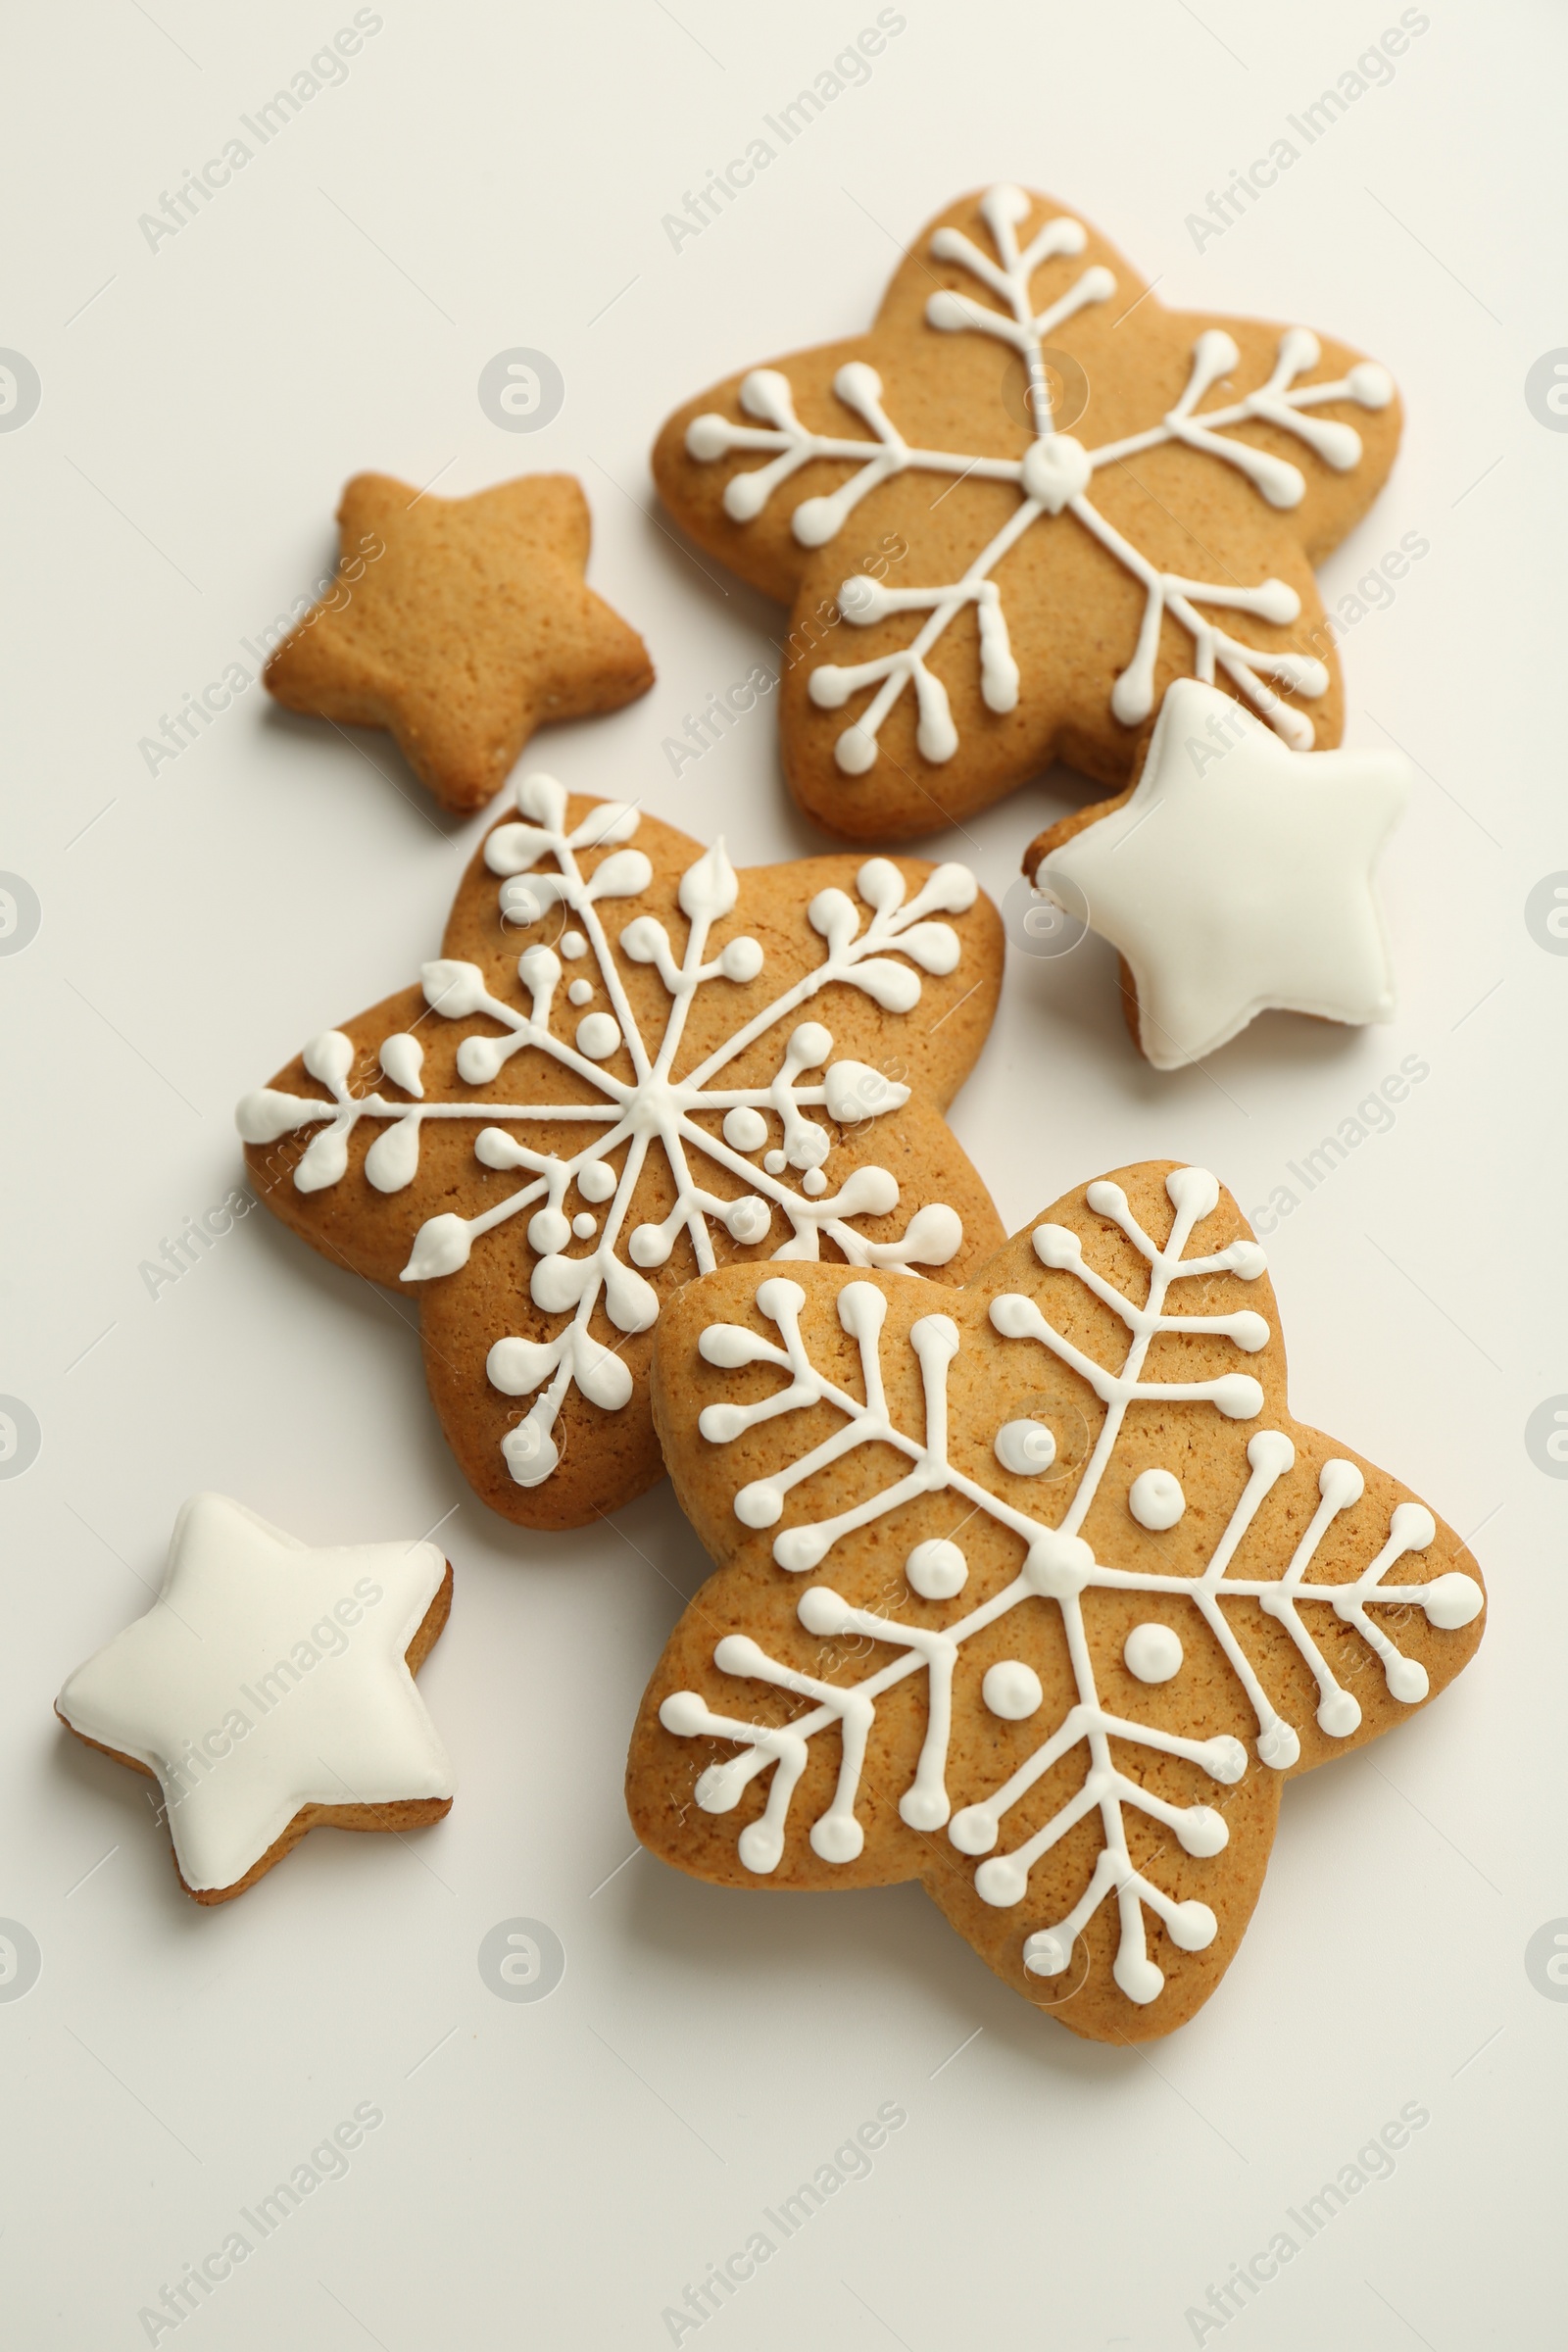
630,1065
1034,1592
460,624
1009,515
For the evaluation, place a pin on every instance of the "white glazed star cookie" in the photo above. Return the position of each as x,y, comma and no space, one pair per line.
271,1690
1235,877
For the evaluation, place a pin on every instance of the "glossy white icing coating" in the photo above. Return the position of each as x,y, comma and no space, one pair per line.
1025,1448
268,1676
1237,877
1054,477
1058,1565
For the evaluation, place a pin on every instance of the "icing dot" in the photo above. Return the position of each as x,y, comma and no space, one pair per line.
581,992
1011,1690
1224,1759
760,1847
1156,1499
1238,1395
759,1505
1002,1880
1279,1747
1203,1831
1451,1601
1371,386
837,1837
597,1180
684,1713
747,1219
937,1569
745,1129
775,1164
742,959
1044,1954
1055,470
813,1182
822,1610
1191,1926
1407,1679
584,1226
597,1036
574,945
402,1058
1153,1653
1140,1980
973,1831
1338,1714
1025,1448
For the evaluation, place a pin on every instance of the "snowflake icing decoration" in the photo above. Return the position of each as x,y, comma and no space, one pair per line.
1058,1565
653,1109
1054,477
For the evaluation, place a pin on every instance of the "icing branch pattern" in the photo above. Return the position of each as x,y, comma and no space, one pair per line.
881,949
1058,1565
1054,476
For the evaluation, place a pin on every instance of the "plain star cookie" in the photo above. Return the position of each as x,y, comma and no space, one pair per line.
630,1065
1034,1592
269,1691
470,627
1234,876
1030,496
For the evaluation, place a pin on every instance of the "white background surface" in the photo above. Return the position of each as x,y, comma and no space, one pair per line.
556,2174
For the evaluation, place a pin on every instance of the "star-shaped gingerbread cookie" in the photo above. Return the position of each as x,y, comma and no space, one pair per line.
629,1065
1235,877
460,624
1034,1592
269,1691
1030,496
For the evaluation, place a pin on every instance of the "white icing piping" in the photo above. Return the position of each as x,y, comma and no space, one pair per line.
1052,477
1059,1566
884,961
